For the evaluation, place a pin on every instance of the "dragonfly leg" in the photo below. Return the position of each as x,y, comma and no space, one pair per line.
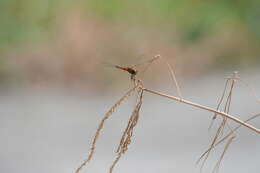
132,76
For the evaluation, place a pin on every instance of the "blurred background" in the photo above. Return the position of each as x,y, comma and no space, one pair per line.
54,86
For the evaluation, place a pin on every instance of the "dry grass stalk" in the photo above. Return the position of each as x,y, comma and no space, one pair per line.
226,137
225,116
128,133
173,77
115,162
216,168
221,127
233,80
101,124
220,131
233,118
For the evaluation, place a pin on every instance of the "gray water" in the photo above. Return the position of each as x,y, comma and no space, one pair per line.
50,130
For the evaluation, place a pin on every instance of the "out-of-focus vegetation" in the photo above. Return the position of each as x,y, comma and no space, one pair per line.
221,32
193,19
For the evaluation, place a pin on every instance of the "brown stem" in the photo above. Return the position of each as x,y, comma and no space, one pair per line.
203,107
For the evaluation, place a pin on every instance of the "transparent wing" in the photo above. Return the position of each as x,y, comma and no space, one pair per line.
107,64
145,61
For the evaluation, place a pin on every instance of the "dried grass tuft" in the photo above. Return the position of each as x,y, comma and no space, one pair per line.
126,138
101,124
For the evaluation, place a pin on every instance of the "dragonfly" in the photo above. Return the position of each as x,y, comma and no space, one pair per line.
132,70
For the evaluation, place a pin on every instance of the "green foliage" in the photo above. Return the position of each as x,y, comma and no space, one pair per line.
24,20
31,19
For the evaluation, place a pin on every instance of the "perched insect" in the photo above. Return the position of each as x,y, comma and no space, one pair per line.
132,69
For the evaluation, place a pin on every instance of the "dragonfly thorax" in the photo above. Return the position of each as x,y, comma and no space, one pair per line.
132,71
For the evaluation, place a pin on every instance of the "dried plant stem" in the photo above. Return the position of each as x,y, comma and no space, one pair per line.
128,133
115,162
220,129
228,101
224,122
225,137
204,107
173,76
223,153
221,99
101,124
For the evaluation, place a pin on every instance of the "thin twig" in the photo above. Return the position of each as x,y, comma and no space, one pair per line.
204,108
173,78
216,168
225,137
115,162
212,144
219,103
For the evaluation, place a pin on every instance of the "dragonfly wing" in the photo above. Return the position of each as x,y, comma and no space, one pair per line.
107,64
146,61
